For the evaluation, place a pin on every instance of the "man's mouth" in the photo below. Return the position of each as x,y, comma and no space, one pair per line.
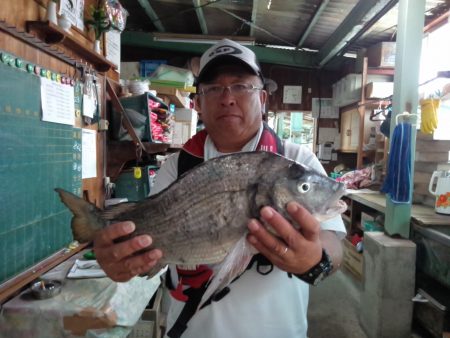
229,116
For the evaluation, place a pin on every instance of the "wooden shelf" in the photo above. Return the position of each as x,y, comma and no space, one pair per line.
367,103
54,34
380,71
375,200
120,152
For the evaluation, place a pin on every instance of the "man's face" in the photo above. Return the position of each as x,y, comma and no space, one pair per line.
231,116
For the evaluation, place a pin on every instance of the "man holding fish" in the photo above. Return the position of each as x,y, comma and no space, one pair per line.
270,298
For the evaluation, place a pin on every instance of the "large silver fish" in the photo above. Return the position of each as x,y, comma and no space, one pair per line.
202,217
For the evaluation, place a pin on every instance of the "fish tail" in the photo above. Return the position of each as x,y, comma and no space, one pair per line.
86,220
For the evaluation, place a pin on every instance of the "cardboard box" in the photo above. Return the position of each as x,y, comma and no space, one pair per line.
186,115
352,260
181,132
185,125
381,54
174,95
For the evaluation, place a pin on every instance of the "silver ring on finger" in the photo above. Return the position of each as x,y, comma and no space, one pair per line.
284,252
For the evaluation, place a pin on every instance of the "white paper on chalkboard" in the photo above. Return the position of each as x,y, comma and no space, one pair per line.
58,102
89,153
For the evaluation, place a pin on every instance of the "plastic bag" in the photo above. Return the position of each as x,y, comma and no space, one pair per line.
117,15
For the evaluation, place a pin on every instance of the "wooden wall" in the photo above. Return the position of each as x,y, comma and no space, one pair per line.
315,83
14,15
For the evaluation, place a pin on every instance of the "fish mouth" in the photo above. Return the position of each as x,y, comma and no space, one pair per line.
336,205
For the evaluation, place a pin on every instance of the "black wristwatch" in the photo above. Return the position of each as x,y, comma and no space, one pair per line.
319,271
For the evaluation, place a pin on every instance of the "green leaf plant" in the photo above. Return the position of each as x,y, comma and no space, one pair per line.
98,20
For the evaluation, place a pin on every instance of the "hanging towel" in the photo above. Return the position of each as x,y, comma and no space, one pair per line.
398,179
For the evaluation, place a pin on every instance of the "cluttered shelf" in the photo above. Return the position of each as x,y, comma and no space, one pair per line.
54,34
365,214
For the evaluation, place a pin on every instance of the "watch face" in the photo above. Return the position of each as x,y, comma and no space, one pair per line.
319,278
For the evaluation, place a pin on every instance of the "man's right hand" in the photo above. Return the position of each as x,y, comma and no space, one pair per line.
118,259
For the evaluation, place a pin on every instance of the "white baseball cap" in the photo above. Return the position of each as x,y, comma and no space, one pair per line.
228,51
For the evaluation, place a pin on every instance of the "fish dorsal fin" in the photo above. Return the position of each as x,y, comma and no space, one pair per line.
113,212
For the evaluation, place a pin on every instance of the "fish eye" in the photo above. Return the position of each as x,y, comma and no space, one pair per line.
303,188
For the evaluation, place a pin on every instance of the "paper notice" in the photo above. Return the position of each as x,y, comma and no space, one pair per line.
89,153
58,102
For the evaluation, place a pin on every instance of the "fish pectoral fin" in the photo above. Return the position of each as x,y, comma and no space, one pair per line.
154,271
232,266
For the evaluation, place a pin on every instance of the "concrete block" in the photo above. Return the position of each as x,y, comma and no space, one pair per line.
389,286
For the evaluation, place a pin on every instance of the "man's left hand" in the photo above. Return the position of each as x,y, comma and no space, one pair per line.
292,250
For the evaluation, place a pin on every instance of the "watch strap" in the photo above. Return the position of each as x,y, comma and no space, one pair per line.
319,271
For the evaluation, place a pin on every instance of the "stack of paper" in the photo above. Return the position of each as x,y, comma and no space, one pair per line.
86,269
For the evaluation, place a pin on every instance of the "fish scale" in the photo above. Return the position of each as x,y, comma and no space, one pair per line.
202,216
200,223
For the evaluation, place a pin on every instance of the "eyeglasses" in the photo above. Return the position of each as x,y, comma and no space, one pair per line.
236,89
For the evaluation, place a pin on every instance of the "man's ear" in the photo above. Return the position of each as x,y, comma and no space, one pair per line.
197,103
263,97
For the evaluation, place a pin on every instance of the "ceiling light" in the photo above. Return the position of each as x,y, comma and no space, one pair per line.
198,38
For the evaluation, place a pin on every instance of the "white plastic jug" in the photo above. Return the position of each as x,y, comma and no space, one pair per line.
441,191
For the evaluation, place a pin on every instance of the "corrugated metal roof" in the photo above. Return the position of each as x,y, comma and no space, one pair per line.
270,22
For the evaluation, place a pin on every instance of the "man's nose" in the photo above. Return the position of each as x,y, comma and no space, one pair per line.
227,96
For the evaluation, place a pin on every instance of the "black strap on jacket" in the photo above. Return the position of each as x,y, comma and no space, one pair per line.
180,325
186,162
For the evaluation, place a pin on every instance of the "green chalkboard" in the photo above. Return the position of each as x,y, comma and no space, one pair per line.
35,157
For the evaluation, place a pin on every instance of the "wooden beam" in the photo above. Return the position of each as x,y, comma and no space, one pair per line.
439,21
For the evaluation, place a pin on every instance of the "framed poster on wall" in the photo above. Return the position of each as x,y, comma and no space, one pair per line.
292,94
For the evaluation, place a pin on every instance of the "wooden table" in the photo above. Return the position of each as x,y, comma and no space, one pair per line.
420,214
85,307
